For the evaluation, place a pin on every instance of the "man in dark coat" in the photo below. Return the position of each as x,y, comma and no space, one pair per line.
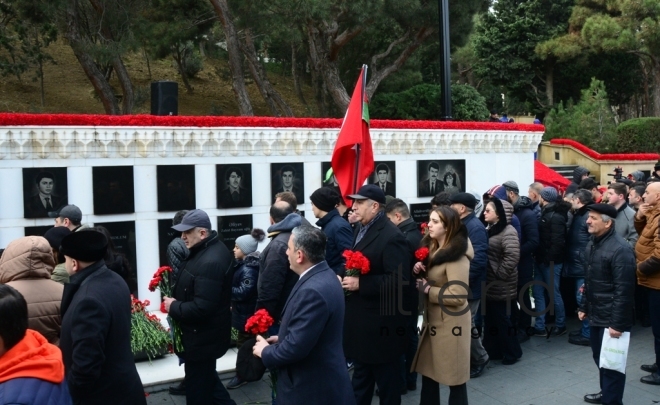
308,348
576,242
336,229
397,211
373,308
464,204
96,326
529,242
550,257
276,280
200,306
609,295
579,173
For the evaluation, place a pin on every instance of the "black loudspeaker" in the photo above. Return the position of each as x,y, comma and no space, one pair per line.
164,98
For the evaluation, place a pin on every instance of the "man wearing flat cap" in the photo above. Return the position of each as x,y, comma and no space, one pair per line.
608,296
200,305
464,204
68,216
374,307
336,229
96,326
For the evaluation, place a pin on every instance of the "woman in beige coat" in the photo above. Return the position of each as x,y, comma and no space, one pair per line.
443,355
26,265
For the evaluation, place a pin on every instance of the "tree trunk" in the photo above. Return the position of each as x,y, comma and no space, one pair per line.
235,56
40,71
317,85
550,84
294,73
128,100
655,65
320,55
179,59
146,57
268,92
95,76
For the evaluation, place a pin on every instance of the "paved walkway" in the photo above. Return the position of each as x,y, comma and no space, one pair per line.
551,372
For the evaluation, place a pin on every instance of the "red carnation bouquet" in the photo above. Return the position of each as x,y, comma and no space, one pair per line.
161,281
148,336
422,254
356,265
259,323
424,227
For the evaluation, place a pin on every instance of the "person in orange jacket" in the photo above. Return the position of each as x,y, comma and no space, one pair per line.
31,369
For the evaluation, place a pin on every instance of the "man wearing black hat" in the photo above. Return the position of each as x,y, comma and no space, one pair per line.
68,216
464,204
200,305
96,326
374,307
609,294
336,229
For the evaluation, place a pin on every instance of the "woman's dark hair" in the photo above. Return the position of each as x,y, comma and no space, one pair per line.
453,177
452,223
13,316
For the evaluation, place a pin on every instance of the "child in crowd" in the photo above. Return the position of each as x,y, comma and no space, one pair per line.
244,290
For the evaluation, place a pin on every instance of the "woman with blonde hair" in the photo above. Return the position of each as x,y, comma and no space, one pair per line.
443,354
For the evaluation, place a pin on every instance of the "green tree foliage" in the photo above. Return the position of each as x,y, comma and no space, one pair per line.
423,102
590,121
505,41
639,135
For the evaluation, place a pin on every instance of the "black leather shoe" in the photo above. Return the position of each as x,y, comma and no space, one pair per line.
579,340
653,379
178,389
650,368
593,398
575,333
478,370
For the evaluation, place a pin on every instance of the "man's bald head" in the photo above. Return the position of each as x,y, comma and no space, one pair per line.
652,194
279,210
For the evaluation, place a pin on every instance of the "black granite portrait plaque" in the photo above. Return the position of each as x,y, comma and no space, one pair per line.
231,227
383,177
123,239
288,177
113,190
36,230
420,212
328,178
165,235
44,191
176,187
234,185
434,176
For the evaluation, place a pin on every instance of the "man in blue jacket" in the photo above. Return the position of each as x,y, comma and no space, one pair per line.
523,208
464,204
307,352
336,229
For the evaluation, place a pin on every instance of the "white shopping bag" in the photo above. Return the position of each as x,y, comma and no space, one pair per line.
614,352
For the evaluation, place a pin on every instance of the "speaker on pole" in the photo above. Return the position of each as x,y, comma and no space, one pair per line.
164,98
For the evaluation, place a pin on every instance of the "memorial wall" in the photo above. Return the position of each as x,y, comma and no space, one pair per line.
132,178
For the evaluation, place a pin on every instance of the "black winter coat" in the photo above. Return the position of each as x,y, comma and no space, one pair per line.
529,239
203,293
576,242
610,282
96,339
372,316
244,290
413,235
340,237
552,233
176,253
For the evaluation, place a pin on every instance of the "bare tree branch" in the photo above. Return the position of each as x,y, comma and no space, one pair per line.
376,58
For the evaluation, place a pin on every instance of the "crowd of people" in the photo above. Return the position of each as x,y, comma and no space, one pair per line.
472,271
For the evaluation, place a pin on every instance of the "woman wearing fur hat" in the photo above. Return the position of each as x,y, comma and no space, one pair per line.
443,355
244,289
502,280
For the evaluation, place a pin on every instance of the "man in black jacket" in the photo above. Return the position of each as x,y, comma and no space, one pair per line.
373,310
549,260
200,306
276,279
523,208
397,211
609,294
96,326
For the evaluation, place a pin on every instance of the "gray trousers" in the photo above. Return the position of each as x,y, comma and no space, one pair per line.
478,355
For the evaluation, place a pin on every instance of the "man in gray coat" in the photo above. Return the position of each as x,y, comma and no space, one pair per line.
625,216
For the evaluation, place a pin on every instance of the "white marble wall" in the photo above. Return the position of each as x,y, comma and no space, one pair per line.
491,158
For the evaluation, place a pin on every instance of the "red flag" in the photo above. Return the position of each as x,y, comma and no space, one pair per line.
353,157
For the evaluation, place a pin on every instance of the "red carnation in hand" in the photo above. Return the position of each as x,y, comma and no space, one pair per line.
422,253
259,323
424,226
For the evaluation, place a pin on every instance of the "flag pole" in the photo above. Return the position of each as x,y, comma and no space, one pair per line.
357,145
